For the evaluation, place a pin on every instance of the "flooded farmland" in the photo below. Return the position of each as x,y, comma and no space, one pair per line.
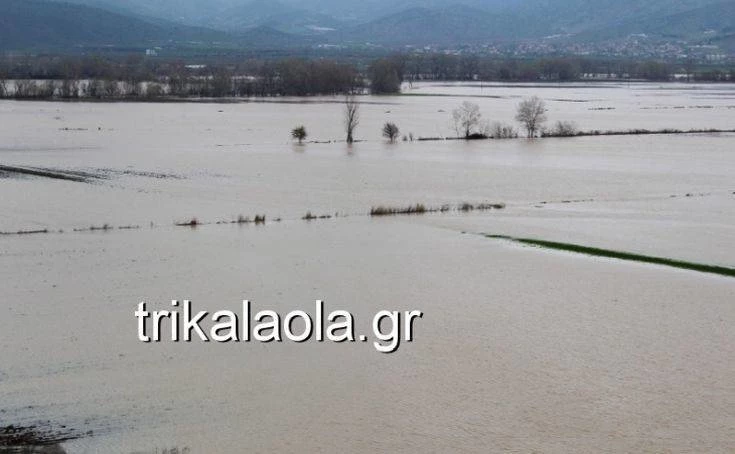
520,348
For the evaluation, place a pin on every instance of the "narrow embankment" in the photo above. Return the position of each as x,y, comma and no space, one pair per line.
79,177
620,255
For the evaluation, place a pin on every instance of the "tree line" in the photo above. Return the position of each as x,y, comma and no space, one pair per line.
136,76
448,67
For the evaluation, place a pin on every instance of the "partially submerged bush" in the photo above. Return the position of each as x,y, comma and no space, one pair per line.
563,129
309,216
154,90
490,206
421,209
390,131
503,131
193,222
299,133
480,207
103,227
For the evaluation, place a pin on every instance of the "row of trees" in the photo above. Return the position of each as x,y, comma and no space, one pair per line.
132,78
135,76
471,67
530,113
74,89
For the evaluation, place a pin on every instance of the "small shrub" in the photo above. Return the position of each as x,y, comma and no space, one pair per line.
390,131
299,133
564,129
502,131
154,90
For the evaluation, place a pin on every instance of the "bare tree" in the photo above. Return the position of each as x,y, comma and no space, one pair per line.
69,88
466,118
3,84
24,89
391,131
299,133
92,89
111,89
532,114
352,117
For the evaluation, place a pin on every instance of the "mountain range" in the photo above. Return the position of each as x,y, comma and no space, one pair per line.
54,24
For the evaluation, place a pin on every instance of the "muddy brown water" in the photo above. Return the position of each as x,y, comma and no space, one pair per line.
519,349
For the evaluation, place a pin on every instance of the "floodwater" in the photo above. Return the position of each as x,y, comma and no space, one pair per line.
519,349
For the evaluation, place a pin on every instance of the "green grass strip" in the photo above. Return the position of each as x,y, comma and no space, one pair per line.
703,268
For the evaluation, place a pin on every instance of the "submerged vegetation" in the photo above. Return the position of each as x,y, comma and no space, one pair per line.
420,208
633,132
608,253
309,216
25,232
193,222
391,211
94,228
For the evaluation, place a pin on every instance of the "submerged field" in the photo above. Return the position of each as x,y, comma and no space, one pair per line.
520,349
